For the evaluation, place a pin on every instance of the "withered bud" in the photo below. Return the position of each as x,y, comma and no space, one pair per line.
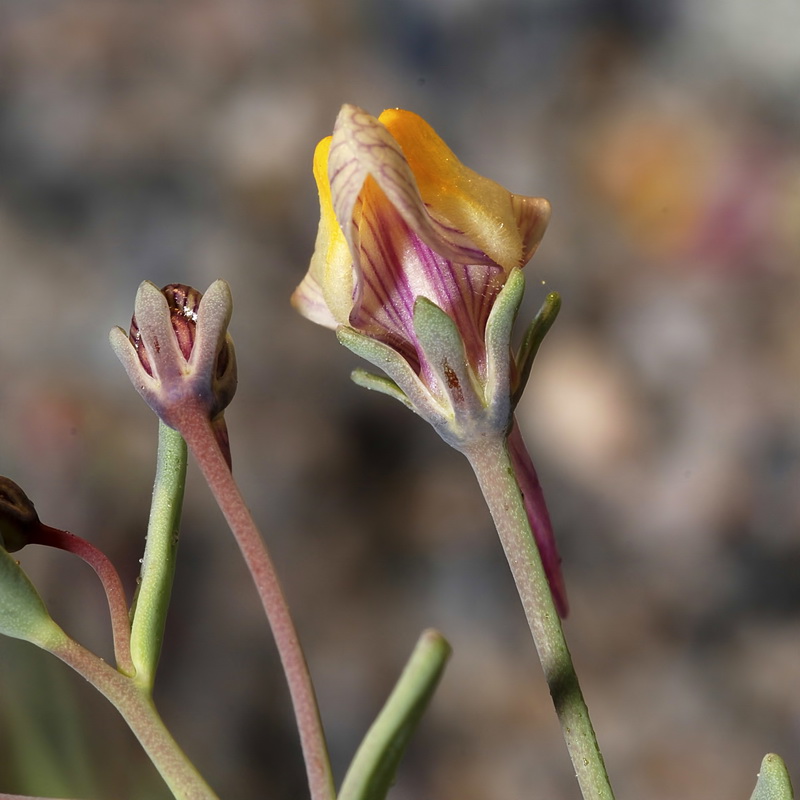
18,518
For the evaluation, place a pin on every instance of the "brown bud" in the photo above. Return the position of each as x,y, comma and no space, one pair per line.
18,518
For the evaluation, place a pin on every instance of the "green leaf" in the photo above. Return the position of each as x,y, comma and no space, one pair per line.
773,780
22,612
372,770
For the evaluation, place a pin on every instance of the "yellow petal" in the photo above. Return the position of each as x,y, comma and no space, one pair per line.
325,295
506,227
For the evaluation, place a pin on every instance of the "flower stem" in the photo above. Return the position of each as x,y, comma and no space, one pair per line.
493,467
149,611
137,709
199,435
112,585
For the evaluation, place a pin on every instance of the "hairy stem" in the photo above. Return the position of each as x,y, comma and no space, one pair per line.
149,612
199,435
493,468
136,707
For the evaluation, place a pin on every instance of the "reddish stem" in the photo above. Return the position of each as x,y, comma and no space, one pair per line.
200,437
538,517
115,594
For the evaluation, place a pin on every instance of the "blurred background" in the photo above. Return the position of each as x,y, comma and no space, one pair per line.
173,142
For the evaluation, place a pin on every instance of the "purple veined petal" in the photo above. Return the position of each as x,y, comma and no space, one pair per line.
538,517
397,267
362,147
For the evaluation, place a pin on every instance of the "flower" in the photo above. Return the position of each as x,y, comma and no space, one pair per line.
417,266
403,219
179,355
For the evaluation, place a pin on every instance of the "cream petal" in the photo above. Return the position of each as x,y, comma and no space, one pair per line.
532,215
309,300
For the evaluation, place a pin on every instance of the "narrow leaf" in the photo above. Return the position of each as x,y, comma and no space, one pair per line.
773,780
372,770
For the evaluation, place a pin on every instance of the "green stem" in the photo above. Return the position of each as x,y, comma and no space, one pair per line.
136,707
199,435
493,468
149,612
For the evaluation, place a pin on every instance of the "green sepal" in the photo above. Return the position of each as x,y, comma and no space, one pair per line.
773,780
373,768
394,365
441,341
438,335
536,332
378,383
498,342
22,612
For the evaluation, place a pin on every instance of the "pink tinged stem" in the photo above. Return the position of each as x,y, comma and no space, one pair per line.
138,711
197,431
538,517
112,585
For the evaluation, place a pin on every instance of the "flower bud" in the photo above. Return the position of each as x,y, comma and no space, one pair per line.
18,518
183,302
178,353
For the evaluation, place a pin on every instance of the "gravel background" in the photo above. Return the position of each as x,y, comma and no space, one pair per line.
173,141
